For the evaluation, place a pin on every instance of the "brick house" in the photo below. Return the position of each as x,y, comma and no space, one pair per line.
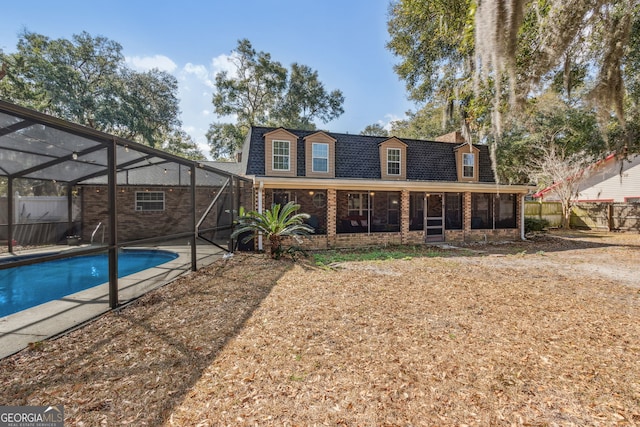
369,190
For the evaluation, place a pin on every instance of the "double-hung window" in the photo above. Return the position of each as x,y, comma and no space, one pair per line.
149,201
320,157
393,161
358,204
468,165
281,155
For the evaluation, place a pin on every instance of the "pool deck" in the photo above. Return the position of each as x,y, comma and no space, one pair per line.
47,320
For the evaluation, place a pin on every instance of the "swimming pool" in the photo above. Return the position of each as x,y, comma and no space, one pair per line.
30,285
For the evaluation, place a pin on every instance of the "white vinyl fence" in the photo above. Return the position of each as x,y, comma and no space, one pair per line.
37,219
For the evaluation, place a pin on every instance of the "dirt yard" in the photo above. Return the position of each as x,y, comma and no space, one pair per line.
538,333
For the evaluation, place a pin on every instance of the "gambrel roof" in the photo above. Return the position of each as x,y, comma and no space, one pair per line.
358,156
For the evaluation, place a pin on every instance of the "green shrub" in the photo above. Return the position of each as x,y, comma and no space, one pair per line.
535,224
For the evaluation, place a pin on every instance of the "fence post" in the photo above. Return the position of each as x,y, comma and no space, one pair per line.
610,216
540,209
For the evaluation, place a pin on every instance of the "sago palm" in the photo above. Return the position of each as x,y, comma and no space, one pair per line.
275,224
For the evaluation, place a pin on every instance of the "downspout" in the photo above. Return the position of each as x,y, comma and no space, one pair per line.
260,211
522,237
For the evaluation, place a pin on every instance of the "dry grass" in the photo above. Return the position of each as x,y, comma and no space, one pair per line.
533,333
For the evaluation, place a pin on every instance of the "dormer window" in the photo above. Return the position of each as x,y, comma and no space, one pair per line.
467,162
320,157
394,159
281,155
468,165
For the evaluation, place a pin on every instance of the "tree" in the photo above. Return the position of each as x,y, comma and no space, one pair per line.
427,123
224,139
263,92
306,99
255,88
180,143
434,40
85,80
275,224
548,123
147,108
374,129
489,57
562,173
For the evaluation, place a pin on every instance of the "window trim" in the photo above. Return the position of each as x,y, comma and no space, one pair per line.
361,196
398,162
139,204
465,165
314,157
273,155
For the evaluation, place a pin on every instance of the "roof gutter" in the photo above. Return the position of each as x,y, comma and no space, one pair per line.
367,185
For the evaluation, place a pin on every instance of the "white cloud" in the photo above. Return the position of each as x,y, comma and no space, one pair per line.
197,72
146,63
224,63
389,119
196,84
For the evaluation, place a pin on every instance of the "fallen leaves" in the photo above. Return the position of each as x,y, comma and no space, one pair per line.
467,339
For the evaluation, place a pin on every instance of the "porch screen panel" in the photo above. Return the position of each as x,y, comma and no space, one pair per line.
505,205
453,211
416,211
481,211
393,209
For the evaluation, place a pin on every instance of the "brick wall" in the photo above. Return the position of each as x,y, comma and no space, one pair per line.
354,240
134,225
337,202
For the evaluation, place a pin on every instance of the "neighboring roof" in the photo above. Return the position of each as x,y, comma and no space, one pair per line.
358,156
615,166
230,167
599,163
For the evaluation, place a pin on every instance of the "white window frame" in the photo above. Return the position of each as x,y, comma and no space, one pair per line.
314,156
394,162
466,165
358,208
142,203
284,156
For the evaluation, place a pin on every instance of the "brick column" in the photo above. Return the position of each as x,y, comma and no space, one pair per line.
466,212
332,207
257,197
404,215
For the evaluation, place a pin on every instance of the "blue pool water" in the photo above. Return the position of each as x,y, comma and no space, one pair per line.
27,286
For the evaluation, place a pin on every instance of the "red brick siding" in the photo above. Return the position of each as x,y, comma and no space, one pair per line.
134,225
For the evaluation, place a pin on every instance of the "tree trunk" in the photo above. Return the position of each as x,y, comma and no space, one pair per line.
275,243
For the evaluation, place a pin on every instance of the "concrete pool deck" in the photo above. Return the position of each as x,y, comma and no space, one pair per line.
47,320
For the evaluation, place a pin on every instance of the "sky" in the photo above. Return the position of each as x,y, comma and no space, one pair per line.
343,40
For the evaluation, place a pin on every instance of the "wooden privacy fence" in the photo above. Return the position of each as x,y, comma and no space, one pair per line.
594,216
551,211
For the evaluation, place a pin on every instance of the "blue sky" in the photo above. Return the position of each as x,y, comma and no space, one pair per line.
344,40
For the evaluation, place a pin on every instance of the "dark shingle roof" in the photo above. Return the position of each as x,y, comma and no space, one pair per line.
357,156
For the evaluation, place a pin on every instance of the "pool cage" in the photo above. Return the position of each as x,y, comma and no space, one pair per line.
109,193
